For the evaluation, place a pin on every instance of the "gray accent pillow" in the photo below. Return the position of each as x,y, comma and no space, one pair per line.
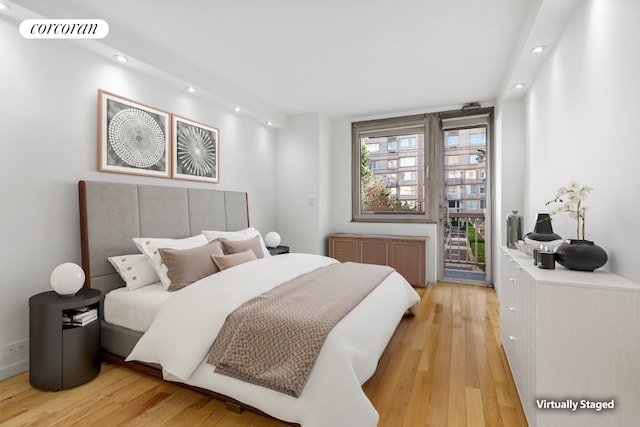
237,246
185,266
227,261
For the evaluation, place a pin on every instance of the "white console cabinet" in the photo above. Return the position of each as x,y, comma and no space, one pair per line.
571,336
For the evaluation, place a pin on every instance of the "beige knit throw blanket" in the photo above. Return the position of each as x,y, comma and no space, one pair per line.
273,340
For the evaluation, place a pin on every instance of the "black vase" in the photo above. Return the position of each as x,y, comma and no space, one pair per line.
543,231
542,235
581,255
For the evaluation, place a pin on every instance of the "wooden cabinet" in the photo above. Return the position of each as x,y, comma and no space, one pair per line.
570,335
408,255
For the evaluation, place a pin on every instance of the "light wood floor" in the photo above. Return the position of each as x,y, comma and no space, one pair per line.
444,367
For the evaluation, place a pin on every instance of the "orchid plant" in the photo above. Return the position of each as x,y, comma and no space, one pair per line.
571,200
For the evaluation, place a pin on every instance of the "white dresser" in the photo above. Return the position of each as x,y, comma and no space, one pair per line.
571,336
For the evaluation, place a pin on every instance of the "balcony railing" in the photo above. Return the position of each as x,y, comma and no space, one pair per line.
464,242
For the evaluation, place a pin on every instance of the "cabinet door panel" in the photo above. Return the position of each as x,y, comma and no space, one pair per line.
81,356
408,258
374,251
345,249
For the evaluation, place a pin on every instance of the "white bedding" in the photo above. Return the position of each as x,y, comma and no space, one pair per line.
186,325
134,309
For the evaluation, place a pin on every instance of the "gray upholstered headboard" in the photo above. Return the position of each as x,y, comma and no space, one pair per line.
111,214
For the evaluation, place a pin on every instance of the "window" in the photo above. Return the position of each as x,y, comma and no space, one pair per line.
390,180
407,142
471,189
388,198
471,205
408,176
452,138
373,148
470,174
452,160
407,162
474,159
408,190
478,138
454,192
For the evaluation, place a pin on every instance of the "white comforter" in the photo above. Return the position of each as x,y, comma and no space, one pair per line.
186,325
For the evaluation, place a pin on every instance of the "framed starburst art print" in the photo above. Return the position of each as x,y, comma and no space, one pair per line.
133,138
195,149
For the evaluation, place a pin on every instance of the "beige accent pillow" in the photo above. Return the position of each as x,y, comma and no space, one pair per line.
244,234
185,266
227,261
150,246
236,246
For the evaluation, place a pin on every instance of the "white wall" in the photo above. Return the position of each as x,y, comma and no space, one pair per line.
510,163
48,139
581,122
303,176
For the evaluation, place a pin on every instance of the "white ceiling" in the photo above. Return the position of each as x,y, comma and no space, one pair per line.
351,58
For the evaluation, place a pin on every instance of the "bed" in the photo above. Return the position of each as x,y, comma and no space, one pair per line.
169,334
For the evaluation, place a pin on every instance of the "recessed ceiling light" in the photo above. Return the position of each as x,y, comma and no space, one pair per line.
519,85
538,49
269,123
4,6
237,109
191,89
120,58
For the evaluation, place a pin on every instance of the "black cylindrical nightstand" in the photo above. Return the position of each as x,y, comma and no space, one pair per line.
279,250
64,354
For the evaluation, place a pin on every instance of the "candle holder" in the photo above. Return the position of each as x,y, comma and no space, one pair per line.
546,260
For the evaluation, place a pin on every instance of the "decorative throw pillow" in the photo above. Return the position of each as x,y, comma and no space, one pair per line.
135,270
244,234
236,246
227,261
185,266
150,247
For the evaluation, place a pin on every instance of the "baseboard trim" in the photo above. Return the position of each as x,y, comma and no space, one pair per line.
13,369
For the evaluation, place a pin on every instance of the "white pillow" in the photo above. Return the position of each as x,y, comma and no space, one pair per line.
245,234
150,246
135,270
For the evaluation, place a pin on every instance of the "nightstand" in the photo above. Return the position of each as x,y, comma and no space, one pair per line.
279,250
64,354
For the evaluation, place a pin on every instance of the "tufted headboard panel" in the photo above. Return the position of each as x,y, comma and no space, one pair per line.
111,214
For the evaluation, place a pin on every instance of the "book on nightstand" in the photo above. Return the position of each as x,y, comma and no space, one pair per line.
79,317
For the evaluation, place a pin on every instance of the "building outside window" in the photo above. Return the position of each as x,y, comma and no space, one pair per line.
470,169
408,176
408,142
407,162
477,138
396,187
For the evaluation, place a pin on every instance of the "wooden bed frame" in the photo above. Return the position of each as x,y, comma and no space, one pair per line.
111,214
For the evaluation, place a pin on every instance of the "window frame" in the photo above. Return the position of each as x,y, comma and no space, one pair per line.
423,123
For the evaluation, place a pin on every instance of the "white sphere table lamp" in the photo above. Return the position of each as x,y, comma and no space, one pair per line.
67,279
272,239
